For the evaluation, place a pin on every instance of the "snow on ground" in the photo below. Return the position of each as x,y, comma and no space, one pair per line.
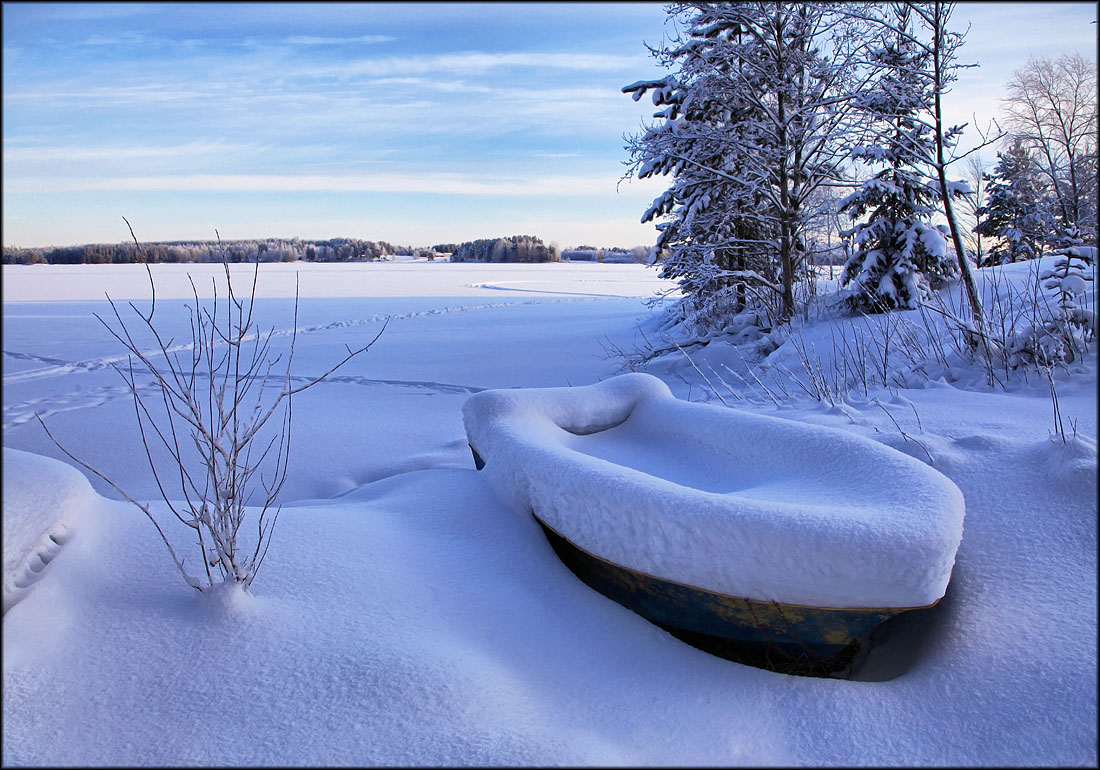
405,616
727,500
399,406
37,517
402,278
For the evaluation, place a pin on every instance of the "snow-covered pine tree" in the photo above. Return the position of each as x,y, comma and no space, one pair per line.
1017,212
757,119
898,254
717,242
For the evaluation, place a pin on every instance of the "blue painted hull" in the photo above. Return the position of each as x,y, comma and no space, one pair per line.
786,638
792,639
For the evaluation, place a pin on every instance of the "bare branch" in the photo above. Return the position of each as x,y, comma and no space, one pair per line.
225,410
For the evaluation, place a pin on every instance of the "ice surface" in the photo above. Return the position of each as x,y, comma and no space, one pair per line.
534,327
734,502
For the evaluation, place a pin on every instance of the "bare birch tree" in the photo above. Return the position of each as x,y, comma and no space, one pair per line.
974,171
1051,104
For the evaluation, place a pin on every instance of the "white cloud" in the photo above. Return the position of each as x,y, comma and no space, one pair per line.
318,40
98,11
412,182
469,62
122,39
140,94
35,152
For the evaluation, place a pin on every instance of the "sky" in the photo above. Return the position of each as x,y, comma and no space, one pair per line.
413,123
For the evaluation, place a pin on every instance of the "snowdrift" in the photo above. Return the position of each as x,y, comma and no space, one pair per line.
43,498
720,499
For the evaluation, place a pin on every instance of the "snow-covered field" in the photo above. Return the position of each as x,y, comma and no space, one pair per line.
405,616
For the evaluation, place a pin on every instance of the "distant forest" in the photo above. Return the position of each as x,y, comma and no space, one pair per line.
267,250
517,248
613,254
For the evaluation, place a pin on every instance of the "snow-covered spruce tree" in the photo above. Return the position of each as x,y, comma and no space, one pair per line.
932,34
1017,209
758,117
717,241
899,255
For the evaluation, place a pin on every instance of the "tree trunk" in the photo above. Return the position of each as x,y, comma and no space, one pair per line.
976,315
786,226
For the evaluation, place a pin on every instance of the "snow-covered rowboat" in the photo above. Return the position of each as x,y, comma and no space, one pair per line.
770,541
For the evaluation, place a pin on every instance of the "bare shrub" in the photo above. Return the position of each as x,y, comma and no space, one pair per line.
1043,324
221,408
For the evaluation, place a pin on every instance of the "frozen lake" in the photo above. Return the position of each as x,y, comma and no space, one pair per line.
404,616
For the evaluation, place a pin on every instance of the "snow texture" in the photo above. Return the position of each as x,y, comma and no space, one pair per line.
742,504
43,500
405,617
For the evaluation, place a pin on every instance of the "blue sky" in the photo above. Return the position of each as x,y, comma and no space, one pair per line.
414,123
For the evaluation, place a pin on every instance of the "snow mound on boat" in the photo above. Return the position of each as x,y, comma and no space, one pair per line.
733,502
43,498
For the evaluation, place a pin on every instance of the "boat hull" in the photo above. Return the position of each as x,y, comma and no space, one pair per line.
792,639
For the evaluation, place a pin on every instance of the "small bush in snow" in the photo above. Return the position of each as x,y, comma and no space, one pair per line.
221,409
1063,333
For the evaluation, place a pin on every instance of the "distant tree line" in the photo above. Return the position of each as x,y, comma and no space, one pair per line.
615,254
518,248
350,249
267,250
